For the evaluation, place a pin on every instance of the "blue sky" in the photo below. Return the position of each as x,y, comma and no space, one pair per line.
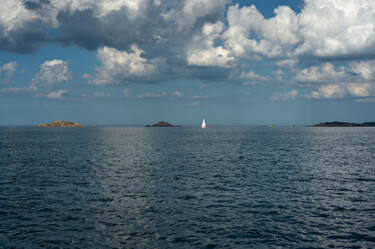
122,62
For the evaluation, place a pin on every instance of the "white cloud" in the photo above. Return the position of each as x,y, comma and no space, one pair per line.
193,104
279,75
211,57
52,73
151,95
363,69
287,63
285,96
60,94
204,53
323,29
358,90
86,76
189,12
253,76
250,35
177,94
334,28
101,95
361,72
320,74
121,66
327,92
8,70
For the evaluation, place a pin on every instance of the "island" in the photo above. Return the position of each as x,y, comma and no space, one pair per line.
161,124
60,123
344,124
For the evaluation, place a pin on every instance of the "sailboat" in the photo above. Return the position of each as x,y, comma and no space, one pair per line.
204,124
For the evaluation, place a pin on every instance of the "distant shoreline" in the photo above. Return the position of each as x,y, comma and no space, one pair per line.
344,124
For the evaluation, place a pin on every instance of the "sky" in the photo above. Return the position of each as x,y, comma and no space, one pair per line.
137,62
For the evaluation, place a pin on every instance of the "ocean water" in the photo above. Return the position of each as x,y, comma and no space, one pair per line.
221,187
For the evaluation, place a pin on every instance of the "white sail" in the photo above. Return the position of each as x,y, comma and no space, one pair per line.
204,124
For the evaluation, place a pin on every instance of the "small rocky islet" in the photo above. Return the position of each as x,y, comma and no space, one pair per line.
60,123
161,124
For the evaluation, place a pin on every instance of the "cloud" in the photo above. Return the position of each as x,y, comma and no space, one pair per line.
327,92
194,39
323,29
19,90
101,95
127,93
151,95
287,63
285,96
86,76
320,74
279,75
359,90
122,66
21,29
200,97
253,76
8,70
177,94
332,28
52,73
193,104
251,36
362,71
60,94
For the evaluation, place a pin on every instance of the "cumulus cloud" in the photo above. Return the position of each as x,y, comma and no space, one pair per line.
250,35
177,94
122,66
323,29
151,95
253,76
285,96
60,94
52,73
361,72
287,63
359,90
327,92
200,39
7,70
332,28
357,79
203,51
278,74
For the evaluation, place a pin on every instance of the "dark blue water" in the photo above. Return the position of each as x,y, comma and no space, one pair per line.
121,187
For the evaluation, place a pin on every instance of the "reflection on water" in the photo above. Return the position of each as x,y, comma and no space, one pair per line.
187,187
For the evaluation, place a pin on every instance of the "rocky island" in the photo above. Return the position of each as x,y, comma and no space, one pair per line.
161,124
345,124
60,123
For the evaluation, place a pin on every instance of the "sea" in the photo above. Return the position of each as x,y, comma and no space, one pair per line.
187,187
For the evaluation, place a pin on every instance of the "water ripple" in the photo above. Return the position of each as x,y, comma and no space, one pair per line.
187,188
